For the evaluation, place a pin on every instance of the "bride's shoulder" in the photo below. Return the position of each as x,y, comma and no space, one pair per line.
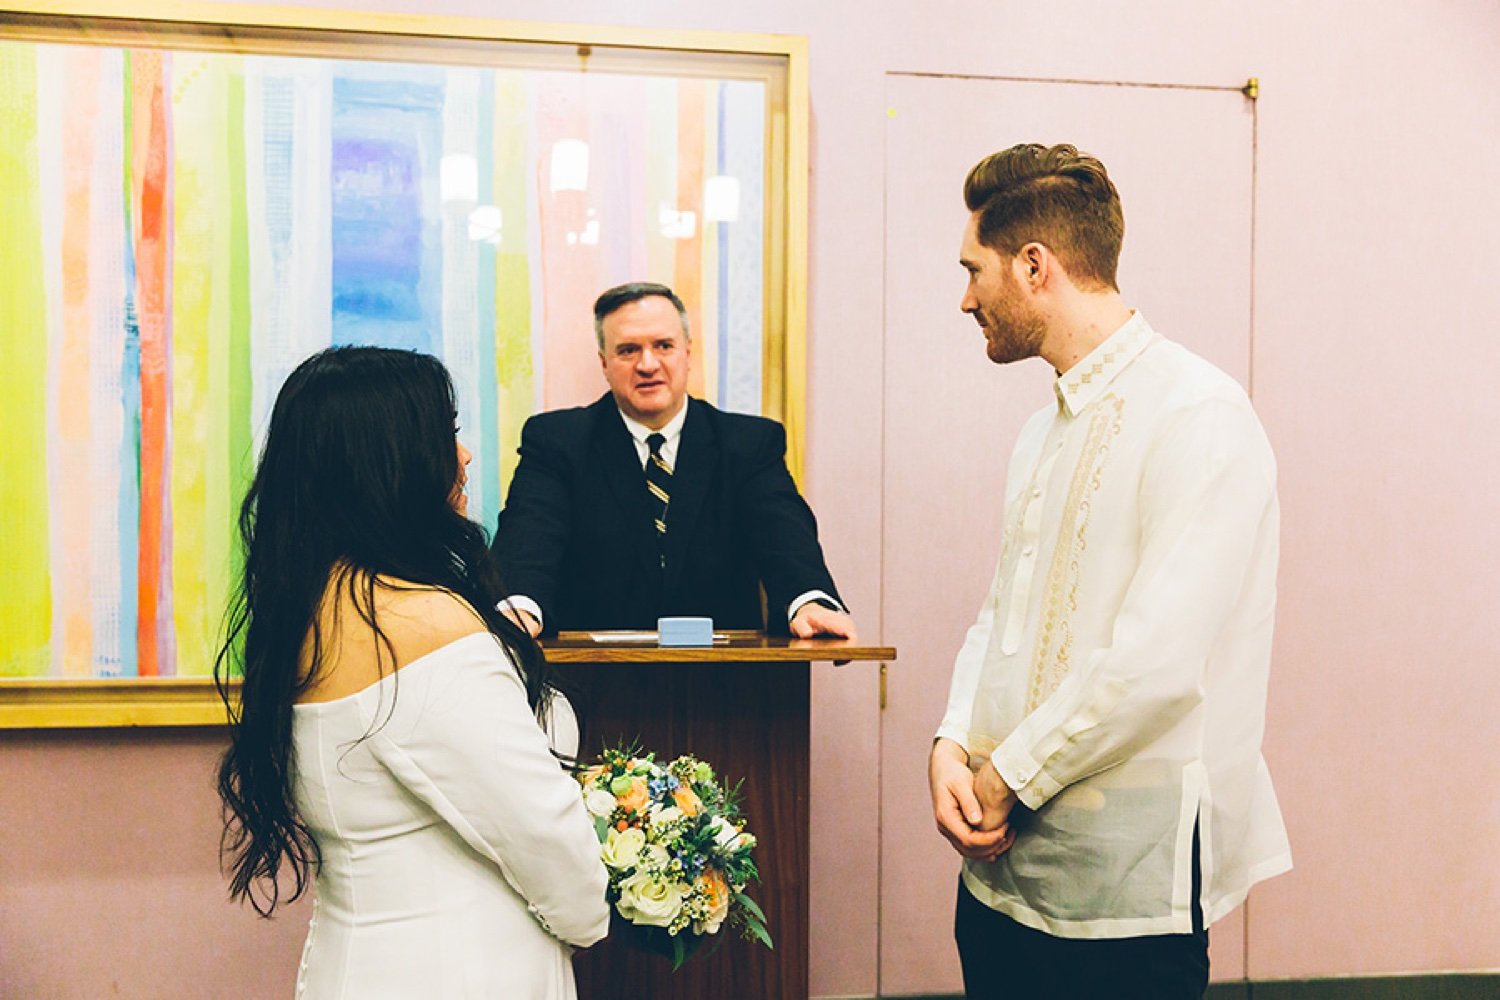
419,618
371,623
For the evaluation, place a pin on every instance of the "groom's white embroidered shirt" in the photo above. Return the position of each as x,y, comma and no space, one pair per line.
1116,675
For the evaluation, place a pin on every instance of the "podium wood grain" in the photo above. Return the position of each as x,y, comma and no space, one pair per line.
743,706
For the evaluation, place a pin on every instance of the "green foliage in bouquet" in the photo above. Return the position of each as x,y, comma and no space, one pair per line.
678,853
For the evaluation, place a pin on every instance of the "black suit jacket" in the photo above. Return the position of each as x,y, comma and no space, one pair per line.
577,537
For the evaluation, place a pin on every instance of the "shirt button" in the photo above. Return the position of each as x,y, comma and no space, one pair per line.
1036,491
1027,551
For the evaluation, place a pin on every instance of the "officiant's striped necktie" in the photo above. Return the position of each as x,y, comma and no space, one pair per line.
659,485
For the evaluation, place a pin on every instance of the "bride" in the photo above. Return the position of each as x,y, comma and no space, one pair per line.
389,742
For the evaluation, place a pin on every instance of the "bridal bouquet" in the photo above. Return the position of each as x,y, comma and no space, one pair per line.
676,848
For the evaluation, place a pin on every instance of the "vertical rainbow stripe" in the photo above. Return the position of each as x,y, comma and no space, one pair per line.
186,227
25,555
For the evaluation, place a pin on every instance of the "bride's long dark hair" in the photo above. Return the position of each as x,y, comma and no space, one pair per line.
354,484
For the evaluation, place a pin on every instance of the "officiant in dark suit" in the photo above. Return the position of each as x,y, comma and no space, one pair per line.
650,503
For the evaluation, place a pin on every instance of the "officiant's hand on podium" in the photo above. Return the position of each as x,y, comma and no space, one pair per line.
813,620
970,811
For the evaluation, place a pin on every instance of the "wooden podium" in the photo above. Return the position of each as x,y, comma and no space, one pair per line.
742,705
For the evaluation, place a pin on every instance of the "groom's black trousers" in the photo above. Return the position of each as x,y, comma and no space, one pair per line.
1004,960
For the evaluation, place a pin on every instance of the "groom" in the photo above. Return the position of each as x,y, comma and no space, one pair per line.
1099,765
650,503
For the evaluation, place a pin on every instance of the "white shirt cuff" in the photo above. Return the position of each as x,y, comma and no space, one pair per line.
958,734
1033,786
809,597
520,602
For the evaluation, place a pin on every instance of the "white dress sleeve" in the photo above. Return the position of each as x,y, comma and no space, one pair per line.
462,738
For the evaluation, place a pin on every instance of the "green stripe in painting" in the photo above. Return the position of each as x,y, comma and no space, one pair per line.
26,610
202,322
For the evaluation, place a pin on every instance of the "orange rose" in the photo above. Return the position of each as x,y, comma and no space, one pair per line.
687,800
716,886
717,897
636,798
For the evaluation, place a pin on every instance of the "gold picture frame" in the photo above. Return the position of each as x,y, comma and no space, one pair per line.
779,62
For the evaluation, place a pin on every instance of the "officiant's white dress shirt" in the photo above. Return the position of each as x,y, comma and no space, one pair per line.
458,860
1116,675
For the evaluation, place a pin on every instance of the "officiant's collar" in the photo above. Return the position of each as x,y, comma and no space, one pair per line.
672,430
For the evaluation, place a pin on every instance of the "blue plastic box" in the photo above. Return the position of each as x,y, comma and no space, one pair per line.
685,631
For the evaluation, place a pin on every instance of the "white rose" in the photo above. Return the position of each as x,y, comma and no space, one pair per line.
729,838
652,902
598,802
622,848
662,815
655,856
724,833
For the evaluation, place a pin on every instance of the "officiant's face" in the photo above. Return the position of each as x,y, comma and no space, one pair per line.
646,357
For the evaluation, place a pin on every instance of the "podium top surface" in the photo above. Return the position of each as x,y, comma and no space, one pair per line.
730,646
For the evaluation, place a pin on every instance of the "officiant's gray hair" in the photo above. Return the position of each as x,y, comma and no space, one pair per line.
622,295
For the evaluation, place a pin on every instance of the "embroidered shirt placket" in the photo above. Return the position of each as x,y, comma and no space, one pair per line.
1028,534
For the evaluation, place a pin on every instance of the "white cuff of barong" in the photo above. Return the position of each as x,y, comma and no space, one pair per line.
1024,775
957,734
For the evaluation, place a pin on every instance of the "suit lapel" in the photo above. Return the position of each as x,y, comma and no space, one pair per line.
620,465
697,457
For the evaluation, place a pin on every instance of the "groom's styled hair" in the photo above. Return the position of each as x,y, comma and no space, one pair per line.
1053,195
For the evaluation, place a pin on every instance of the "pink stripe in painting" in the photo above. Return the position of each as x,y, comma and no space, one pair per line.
570,267
70,451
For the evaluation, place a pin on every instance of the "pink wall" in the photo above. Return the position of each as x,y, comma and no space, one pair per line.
1377,232
109,883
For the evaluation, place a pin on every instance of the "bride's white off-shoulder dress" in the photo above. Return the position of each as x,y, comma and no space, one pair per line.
458,860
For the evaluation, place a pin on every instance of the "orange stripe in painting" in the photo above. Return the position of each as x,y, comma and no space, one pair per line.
150,154
71,571
688,263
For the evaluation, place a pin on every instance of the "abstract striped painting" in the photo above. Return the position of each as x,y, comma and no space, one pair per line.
182,228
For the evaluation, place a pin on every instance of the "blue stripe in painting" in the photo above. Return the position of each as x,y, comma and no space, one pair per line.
386,225
722,231
488,435
130,456
277,115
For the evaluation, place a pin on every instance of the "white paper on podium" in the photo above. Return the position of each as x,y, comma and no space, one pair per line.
639,637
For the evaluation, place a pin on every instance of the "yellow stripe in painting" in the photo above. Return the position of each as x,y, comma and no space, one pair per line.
515,399
26,610
200,474
690,280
